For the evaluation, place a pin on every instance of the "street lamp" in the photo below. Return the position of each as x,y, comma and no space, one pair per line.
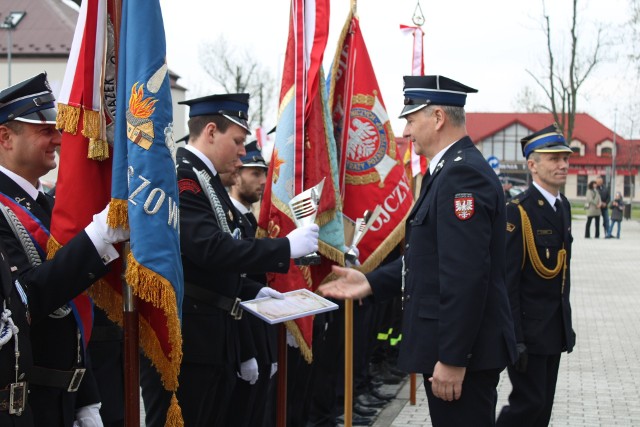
10,23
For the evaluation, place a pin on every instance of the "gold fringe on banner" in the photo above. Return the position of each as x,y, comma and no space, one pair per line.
118,214
149,286
98,150
91,124
331,252
67,118
53,246
383,250
302,344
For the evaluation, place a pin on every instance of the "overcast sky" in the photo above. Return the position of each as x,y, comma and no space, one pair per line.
488,45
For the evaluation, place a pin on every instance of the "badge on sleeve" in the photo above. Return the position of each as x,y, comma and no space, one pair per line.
464,205
188,185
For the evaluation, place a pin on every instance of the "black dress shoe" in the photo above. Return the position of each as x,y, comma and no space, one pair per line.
377,393
363,411
370,401
356,420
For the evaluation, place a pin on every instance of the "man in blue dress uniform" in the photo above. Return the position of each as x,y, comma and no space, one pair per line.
457,327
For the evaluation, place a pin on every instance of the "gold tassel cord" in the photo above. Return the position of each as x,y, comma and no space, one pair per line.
67,118
91,124
118,214
98,150
536,262
174,414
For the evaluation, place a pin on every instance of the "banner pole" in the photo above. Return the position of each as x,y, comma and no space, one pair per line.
348,362
412,391
281,411
131,352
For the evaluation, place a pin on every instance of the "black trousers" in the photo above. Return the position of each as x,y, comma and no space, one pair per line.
476,406
531,400
249,406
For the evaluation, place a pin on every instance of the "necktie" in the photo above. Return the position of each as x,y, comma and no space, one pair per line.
252,220
43,202
559,213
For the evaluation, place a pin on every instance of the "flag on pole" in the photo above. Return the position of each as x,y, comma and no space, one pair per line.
373,170
418,164
83,187
144,188
303,155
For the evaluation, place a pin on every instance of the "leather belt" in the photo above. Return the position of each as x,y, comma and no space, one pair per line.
67,380
230,305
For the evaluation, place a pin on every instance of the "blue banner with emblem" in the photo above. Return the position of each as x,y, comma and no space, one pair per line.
144,186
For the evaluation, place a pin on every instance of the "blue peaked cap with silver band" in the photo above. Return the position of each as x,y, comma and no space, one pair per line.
420,91
547,140
233,106
30,101
253,158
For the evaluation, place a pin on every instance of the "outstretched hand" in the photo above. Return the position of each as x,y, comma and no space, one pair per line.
350,284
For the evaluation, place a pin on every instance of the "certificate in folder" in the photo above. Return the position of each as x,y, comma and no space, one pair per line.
296,304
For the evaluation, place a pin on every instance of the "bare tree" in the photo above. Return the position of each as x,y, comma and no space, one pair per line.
562,84
634,33
526,101
237,70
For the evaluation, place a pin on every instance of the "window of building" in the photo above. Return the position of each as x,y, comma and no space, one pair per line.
577,147
604,149
629,185
582,185
505,144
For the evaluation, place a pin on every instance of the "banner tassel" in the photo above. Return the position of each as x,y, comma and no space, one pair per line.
118,214
67,118
174,414
98,149
91,123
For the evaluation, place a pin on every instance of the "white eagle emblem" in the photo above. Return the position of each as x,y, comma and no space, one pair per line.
363,139
464,206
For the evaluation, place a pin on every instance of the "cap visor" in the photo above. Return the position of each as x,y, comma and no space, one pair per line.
408,109
554,149
43,117
254,165
240,122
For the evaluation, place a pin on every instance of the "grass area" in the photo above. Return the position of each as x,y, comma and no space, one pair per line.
577,208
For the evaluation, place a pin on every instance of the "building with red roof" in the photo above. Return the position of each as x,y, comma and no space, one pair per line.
499,134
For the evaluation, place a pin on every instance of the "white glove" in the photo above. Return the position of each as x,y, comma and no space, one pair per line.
269,292
303,240
291,341
249,371
274,369
88,416
107,234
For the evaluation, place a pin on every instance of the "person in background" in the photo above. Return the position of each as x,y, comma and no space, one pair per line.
605,197
617,206
592,204
538,278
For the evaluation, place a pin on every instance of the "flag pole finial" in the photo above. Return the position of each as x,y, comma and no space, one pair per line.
418,16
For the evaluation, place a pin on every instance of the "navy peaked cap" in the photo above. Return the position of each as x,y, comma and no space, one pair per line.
30,101
547,140
233,106
420,91
253,158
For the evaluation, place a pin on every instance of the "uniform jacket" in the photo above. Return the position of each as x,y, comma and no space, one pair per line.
455,307
214,260
541,309
48,286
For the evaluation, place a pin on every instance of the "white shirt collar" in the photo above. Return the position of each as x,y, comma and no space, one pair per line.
23,183
241,208
202,157
550,198
434,162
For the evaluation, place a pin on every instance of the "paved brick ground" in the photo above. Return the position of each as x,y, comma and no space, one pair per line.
599,383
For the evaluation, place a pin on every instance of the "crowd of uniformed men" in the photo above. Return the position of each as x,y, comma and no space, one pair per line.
475,288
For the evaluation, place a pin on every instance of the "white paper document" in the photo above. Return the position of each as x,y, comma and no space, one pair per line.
298,303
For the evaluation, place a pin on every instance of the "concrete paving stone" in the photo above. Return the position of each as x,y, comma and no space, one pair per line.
599,382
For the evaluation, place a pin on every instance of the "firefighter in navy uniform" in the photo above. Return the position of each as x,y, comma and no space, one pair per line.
51,360
456,328
538,277
215,257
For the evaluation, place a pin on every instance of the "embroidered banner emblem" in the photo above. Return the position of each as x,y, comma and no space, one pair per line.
464,205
